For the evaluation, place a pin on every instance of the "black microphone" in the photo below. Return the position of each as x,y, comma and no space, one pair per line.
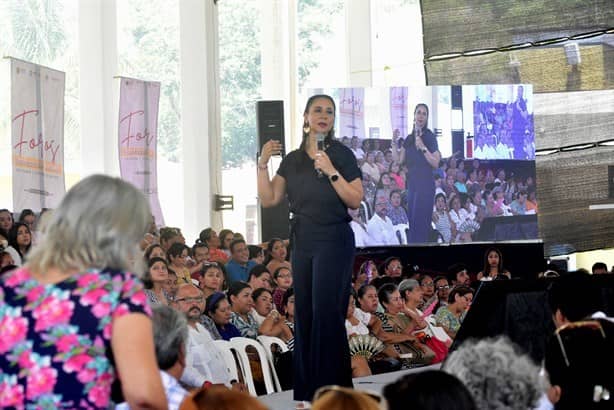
320,143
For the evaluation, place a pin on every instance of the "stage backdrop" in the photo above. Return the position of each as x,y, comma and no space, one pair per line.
138,135
483,188
37,129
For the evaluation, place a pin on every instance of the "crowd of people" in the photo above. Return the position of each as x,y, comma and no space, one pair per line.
466,192
78,330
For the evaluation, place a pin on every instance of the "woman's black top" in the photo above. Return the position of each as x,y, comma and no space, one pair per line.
312,197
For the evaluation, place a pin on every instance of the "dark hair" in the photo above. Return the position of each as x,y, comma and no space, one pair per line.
389,260
24,213
175,250
426,124
361,292
150,249
568,367
254,251
12,239
198,245
205,236
234,243
429,390
440,195
460,291
395,191
500,269
599,265
213,302
256,294
441,277
269,249
384,293
222,234
236,288
330,137
147,279
454,269
575,295
167,233
257,271
287,294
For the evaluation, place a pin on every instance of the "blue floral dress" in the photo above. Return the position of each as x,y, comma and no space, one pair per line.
55,339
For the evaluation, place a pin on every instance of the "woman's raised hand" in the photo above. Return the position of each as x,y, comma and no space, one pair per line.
270,148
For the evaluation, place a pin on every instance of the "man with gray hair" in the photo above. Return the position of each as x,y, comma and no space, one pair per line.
204,361
170,329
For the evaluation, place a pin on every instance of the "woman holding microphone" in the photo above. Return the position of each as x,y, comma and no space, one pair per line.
321,180
421,155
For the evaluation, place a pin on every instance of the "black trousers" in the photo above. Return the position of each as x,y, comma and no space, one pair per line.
322,260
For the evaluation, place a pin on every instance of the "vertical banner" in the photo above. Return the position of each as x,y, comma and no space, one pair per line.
37,135
351,112
398,111
138,136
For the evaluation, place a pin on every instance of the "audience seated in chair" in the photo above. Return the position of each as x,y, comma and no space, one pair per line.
239,265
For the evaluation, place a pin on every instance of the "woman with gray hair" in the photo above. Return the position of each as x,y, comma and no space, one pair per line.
73,320
496,373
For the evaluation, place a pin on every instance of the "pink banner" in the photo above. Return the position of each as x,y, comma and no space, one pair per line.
351,112
138,135
398,110
37,134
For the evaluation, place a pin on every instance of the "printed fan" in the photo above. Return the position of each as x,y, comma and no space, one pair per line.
366,346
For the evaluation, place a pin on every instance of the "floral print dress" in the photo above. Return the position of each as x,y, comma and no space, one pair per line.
55,339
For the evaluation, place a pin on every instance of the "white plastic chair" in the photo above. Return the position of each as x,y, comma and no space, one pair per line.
240,345
226,349
268,342
400,231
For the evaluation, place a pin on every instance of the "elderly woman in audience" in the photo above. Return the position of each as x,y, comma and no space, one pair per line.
212,279
493,265
209,237
74,316
155,280
398,214
240,296
226,237
282,277
428,390
260,277
442,290
393,320
370,169
20,239
277,251
270,321
429,297
496,373
459,216
154,251
219,310
451,316
176,257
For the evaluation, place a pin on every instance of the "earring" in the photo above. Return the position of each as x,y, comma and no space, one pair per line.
306,128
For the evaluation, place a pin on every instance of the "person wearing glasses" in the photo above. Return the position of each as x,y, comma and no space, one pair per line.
282,277
176,257
321,181
204,361
450,317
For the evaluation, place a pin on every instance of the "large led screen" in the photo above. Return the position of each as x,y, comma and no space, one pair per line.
442,164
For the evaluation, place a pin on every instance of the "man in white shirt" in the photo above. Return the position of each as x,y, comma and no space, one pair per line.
380,227
204,361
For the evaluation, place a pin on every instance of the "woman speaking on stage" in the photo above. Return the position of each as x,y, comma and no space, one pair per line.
321,183
420,153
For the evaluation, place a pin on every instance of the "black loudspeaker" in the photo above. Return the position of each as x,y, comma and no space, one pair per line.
275,221
457,97
270,122
458,142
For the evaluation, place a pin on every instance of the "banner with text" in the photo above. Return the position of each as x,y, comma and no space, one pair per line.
138,136
398,111
37,134
351,112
